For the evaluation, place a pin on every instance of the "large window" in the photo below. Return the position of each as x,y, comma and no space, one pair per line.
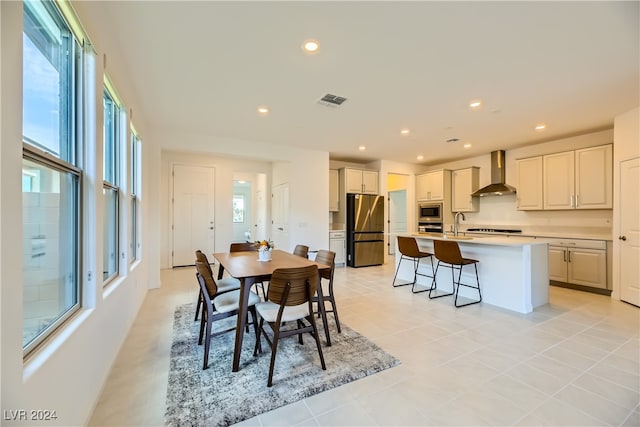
110,189
50,172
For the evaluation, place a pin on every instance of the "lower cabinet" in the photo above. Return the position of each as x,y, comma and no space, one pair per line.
579,262
338,244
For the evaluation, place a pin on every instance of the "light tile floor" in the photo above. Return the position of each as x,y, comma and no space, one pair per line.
572,362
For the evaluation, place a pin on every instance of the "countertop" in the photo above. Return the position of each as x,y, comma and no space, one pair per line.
587,233
491,239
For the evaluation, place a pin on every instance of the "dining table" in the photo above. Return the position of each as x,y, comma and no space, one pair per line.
248,269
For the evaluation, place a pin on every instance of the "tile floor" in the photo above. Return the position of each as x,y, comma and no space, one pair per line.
572,362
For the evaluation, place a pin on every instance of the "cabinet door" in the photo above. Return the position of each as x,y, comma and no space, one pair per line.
594,178
338,246
370,182
558,182
529,184
422,187
353,180
435,185
465,182
587,267
334,193
557,263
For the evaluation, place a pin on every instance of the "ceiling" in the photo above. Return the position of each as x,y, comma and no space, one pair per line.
204,67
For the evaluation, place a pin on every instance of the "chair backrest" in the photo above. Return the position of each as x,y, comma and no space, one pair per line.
327,258
301,250
201,257
447,251
301,281
408,246
242,247
204,274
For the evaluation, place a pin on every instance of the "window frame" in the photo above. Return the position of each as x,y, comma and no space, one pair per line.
113,185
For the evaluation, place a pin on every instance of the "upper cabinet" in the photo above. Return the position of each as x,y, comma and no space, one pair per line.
334,192
361,181
463,183
529,184
431,185
580,179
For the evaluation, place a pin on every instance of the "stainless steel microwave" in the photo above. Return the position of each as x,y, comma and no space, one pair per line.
430,212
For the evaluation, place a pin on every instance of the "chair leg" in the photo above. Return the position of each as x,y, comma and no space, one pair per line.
317,338
274,347
203,318
455,302
434,284
258,327
207,342
396,275
198,305
334,310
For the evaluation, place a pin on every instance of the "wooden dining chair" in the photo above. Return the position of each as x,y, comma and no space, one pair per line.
288,310
327,258
248,247
218,306
224,285
301,250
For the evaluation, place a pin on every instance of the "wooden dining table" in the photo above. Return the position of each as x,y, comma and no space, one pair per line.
246,267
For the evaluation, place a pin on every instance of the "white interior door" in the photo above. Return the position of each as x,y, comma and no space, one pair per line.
629,238
193,213
280,216
397,217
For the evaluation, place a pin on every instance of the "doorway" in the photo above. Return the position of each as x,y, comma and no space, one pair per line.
193,225
397,212
242,211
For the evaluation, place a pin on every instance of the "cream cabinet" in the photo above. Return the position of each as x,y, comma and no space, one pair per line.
529,184
463,183
361,181
580,179
578,262
334,191
431,185
338,244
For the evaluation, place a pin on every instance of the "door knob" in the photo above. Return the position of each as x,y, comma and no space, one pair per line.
210,228
623,238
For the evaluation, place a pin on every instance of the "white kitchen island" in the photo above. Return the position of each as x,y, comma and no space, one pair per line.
513,271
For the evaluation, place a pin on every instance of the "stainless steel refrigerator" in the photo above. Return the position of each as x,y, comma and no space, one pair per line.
365,230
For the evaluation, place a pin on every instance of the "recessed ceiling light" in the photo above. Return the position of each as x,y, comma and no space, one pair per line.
310,46
467,145
362,148
420,157
263,111
541,127
475,104
405,131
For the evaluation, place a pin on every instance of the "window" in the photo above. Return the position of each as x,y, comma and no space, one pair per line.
110,189
238,208
133,196
51,175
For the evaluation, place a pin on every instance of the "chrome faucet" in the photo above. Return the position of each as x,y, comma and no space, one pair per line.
456,222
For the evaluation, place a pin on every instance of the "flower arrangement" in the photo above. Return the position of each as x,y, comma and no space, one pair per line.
264,245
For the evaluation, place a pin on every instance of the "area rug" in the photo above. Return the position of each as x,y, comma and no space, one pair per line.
219,397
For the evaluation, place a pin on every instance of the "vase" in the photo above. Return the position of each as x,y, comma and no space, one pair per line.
264,255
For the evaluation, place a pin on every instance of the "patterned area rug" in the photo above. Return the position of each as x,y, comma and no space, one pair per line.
219,397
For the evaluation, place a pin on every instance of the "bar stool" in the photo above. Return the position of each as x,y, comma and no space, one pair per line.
409,250
448,254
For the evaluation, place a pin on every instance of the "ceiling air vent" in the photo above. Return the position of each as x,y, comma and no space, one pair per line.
331,100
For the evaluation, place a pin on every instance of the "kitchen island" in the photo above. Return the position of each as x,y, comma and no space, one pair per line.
513,271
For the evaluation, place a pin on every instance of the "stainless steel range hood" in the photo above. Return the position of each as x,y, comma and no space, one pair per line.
497,187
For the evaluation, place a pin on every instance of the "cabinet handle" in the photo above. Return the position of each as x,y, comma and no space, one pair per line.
577,200
623,238
569,256
564,255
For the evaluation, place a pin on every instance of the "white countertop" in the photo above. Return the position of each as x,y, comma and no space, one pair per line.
589,233
511,240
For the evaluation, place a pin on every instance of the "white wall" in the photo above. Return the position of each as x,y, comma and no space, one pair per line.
627,146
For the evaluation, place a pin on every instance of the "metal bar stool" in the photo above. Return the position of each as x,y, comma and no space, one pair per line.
409,250
448,254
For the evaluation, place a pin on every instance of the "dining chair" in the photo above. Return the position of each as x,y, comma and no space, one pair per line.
288,310
448,253
218,306
301,250
224,285
409,250
248,247
327,258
